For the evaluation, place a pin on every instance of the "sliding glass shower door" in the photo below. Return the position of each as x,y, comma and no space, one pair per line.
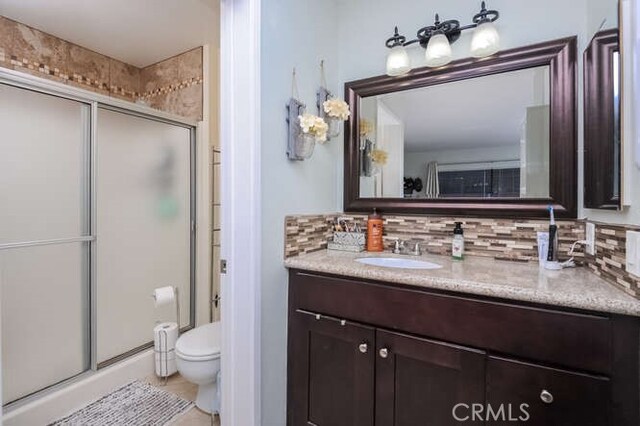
96,211
143,227
44,234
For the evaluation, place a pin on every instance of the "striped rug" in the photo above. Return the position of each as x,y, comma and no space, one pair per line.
135,404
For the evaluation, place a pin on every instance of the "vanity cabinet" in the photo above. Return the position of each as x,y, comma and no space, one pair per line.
332,380
342,370
553,396
419,379
364,352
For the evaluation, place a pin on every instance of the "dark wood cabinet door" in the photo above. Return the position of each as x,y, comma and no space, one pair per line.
331,372
420,381
553,397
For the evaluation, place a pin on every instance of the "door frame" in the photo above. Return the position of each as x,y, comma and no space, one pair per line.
241,211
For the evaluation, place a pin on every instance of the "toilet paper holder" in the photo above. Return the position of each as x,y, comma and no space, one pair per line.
176,299
163,337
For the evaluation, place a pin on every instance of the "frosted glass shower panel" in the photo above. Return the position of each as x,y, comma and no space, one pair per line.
43,166
45,324
143,188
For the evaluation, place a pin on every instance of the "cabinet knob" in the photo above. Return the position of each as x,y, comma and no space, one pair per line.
546,396
363,348
384,352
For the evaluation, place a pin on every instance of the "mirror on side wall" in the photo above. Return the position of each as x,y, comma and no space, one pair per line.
603,110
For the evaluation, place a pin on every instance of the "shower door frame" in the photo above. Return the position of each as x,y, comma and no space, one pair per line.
96,101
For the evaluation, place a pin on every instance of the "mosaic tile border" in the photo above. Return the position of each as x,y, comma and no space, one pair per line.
56,72
172,88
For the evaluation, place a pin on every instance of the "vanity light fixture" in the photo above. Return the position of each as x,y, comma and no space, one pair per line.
398,62
437,39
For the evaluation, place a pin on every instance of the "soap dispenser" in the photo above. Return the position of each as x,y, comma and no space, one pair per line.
457,246
374,232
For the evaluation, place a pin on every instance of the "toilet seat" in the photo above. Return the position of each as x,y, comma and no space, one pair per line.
200,344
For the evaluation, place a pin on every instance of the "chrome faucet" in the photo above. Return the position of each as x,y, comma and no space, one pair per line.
400,248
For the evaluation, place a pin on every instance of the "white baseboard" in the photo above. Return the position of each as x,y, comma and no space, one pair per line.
64,401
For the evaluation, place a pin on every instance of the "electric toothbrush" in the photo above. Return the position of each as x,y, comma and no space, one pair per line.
552,253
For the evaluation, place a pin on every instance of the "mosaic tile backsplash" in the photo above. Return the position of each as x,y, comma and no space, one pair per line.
173,85
610,259
508,239
498,238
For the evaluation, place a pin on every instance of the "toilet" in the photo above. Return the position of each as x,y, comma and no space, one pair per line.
198,361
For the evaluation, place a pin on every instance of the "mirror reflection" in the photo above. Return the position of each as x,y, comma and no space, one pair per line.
617,136
485,137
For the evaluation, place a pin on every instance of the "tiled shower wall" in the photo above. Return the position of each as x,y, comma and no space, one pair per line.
509,239
173,85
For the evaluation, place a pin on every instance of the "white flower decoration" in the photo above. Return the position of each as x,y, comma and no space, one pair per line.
336,108
314,125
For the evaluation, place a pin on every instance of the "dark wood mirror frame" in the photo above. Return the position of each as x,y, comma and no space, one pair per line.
600,123
560,55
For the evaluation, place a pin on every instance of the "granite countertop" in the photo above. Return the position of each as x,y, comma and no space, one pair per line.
572,287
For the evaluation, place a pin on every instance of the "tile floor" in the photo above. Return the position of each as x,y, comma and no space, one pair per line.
181,387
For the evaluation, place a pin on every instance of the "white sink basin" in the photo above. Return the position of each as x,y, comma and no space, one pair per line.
395,262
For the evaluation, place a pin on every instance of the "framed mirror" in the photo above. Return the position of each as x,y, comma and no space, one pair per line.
494,137
602,121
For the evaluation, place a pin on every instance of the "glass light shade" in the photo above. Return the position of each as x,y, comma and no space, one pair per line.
485,40
398,62
438,51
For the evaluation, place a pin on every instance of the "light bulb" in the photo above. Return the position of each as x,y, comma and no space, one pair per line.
438,51
485,40
398,62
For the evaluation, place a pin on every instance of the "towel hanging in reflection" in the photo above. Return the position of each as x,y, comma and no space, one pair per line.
432,185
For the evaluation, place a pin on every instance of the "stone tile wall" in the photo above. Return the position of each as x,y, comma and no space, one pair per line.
173,86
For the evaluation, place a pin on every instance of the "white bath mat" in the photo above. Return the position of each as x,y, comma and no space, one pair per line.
135,404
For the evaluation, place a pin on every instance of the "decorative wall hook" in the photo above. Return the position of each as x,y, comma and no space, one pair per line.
332,110
323,93
296,148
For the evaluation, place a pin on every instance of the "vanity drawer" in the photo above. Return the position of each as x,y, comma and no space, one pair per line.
574,340
553,397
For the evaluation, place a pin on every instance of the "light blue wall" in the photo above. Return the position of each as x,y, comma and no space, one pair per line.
295,33
350,35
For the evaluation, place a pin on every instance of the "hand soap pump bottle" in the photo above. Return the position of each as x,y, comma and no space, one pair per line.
374,232
457,246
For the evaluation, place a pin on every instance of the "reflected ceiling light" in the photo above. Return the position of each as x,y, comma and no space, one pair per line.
437,40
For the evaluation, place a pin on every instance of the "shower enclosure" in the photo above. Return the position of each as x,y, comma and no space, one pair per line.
97,209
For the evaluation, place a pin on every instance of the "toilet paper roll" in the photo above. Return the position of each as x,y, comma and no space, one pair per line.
164,295
165,336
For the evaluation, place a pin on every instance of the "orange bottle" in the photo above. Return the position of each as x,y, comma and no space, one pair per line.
374,232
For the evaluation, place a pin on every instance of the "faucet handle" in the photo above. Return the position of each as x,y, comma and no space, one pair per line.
416,249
